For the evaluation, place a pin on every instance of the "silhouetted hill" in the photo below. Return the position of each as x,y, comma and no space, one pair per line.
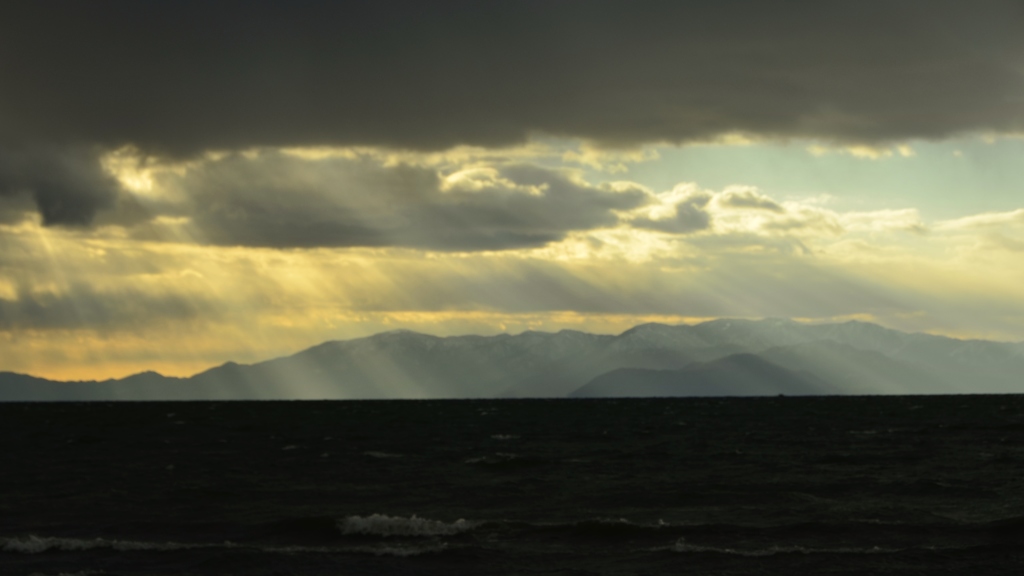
735,375
849,357
850,370
561,377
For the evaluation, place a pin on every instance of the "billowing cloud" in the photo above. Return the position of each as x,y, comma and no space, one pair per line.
271,199
189,76
682,210
744,198
738,212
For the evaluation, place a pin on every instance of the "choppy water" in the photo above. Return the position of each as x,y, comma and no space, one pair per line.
882,485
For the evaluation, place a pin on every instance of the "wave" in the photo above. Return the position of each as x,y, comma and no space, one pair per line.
685,547
381,455
622,527
37,545
382,525
609,527
497,458
329,530
415,535
400,551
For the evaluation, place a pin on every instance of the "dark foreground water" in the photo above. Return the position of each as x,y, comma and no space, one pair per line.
881,485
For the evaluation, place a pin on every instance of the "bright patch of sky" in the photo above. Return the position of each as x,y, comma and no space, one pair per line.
942,180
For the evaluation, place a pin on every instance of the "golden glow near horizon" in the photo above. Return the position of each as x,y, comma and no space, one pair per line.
151,289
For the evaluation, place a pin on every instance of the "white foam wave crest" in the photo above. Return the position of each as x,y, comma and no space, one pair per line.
682,546
382,525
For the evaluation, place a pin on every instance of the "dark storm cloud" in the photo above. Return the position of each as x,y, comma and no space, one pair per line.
15,208
190,75
67,184
276,200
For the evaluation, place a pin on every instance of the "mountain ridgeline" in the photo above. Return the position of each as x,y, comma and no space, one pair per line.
716,358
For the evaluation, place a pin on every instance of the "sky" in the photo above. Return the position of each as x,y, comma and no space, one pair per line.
187,183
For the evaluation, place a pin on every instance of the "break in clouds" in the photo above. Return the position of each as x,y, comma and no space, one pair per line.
178,79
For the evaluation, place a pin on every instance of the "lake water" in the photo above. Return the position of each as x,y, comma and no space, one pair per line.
854,485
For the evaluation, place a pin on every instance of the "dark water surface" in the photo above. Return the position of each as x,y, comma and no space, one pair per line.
855,485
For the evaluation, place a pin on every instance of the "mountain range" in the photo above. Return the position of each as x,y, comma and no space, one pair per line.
724,357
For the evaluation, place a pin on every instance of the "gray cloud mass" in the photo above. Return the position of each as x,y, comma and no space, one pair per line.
749,199
691,216
186,76
67,184
275,200
179,78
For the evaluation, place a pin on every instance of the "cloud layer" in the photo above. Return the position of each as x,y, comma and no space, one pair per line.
105,302
178,79
189,76
237,179
271,199
67,185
